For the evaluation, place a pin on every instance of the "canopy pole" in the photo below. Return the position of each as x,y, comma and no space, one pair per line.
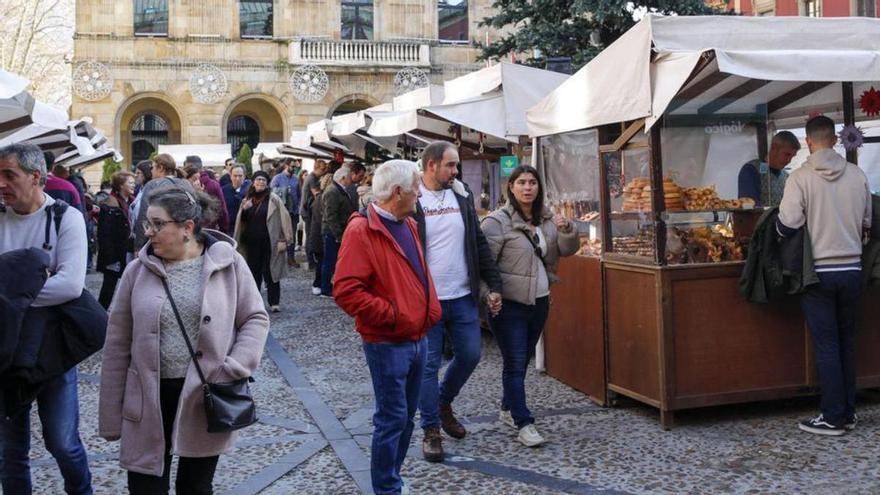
658,204
849,117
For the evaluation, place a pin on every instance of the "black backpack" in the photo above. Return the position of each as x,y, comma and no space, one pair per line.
54,211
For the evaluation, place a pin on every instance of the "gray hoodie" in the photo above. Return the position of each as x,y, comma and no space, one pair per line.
833,198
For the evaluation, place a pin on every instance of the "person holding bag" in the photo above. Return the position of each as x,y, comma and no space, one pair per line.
527,240
196,329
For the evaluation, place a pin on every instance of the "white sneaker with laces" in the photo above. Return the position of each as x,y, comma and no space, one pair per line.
529,436
316,291
506,418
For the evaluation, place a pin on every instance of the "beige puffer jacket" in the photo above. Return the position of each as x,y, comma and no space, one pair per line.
508,236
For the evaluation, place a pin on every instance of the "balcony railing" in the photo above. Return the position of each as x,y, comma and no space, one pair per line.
364,53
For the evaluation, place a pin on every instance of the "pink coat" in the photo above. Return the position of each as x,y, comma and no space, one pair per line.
234,330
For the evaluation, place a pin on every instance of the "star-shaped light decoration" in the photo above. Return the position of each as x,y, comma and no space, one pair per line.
851,137
869,102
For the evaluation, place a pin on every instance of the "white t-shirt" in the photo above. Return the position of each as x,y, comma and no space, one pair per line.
445,241
543,280
67,258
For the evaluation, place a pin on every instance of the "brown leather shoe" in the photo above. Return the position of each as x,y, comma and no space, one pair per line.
432,445
451,425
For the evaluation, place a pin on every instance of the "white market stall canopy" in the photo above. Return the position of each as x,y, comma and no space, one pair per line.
212,155
753,59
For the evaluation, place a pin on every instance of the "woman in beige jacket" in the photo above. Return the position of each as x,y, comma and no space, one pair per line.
527,241
151,395
263,231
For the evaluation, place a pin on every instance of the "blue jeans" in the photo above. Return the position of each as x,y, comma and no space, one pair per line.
517,329
396,372
328,264
830,308
58,407
461,317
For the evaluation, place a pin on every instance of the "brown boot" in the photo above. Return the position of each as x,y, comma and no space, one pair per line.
451,425
432,445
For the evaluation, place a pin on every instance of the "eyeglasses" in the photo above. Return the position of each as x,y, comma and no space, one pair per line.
156,225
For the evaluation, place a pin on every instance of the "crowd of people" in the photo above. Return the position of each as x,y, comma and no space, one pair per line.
400,249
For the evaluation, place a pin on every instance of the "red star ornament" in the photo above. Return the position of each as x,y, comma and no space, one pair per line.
869,102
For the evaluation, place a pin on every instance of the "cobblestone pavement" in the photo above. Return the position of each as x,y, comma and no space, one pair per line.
315,402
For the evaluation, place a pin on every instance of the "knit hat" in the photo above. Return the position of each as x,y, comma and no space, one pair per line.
260,173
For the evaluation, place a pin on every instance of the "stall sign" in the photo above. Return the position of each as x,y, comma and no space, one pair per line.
508,163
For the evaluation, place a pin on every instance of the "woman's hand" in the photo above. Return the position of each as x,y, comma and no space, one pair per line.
562,224
281,246
494,302
246,204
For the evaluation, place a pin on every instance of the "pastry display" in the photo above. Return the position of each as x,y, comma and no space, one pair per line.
703,245
705,198
574,210
641,244
590,247
637,195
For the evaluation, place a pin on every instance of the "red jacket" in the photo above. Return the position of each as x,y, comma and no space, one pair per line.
375,283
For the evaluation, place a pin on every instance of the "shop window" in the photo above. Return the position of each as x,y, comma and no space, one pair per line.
357,19
147,132
866,8
255,18
812,8
242,129
452,20
151,17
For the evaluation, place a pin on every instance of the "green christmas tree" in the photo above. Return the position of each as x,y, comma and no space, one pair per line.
110,168
244,157
574,29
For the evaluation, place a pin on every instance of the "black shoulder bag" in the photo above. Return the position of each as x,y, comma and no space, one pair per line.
228,406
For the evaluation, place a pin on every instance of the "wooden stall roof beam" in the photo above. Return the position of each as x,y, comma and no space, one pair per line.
693,92
624,138
734,94
794,95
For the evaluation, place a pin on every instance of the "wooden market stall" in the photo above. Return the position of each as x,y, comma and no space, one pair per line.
694,101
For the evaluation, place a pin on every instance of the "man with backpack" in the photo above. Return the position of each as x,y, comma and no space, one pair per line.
31,218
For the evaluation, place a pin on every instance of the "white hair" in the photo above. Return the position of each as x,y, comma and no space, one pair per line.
391,174
341,174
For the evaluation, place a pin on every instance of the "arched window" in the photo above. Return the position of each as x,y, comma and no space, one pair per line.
452,20
242,129
147,132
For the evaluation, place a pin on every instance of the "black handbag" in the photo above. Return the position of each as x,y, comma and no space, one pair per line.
228,406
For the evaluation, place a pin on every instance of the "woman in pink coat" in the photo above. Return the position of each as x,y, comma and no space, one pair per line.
151,395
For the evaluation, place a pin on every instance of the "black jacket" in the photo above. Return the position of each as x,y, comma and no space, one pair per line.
48,341
114,239
777,268
478,255
336,208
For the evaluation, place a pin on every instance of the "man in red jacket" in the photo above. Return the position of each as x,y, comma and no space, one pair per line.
382,279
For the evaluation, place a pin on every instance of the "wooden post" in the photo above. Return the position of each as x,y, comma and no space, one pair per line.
849,117
658,205
604,197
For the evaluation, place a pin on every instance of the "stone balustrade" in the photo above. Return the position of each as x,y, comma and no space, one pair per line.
359,53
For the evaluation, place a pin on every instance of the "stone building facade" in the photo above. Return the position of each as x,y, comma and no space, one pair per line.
150,72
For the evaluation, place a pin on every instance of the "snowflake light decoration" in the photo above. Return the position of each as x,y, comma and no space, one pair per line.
208,84
92,81
851,137
869,102
309,83
409,79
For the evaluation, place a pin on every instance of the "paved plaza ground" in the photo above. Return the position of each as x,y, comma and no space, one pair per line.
315,401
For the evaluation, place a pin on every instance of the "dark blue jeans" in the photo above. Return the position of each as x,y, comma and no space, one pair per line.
517,329
328,264
830,308
396,372
58,407
462,318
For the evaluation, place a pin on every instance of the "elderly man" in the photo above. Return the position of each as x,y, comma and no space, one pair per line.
311,187
235,191
336,207
459,257
832,198
392,298
23,225
764,181
213,188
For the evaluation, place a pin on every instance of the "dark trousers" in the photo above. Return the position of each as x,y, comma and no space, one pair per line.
396,373
291,248
108,287
58,408
830,308
316,259
259,260
517,329
328,268
194,474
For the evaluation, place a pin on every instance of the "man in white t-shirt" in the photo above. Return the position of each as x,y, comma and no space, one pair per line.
23,225
458,258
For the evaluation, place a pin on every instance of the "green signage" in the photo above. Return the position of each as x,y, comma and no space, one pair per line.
508,163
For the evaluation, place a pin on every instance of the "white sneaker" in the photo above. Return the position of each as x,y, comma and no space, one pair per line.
316,291
275,308
529,436
506,418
